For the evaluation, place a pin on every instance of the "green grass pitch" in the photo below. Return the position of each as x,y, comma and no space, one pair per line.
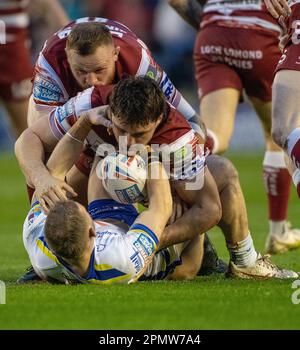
206,303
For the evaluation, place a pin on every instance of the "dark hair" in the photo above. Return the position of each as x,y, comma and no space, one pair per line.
64,230
85,38
137,101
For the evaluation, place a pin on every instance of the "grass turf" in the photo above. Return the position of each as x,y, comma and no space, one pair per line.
206,303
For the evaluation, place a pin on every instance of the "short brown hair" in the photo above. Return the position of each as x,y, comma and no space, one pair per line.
85,38
137,101
64,230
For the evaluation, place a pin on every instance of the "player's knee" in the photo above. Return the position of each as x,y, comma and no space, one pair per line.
216,143
223,171
217,212
185,273
279,137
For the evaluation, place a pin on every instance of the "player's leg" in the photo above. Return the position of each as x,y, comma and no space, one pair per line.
191,257
277,181
286,118
17,112
234,221
245,261
219,85
218,109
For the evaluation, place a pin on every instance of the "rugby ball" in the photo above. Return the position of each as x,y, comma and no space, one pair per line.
124,177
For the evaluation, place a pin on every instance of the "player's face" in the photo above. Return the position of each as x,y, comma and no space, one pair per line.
97,69
134,134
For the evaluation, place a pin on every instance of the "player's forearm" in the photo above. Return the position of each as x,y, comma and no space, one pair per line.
190,10
68,149
55,14
160,200
30,154
195,221
52,11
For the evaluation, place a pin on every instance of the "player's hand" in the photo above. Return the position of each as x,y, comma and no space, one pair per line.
278,8
50,190
179,208
99,116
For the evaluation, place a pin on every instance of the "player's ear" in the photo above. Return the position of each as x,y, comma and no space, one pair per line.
160,118
116,52
92,232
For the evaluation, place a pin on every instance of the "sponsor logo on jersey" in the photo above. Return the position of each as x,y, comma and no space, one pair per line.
65,111
102,239
34,212
45,90
154,73
144,245
130,194
167,87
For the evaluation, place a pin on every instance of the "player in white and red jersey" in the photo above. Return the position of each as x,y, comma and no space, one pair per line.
236,52
139,113
286,91
15,58
60,71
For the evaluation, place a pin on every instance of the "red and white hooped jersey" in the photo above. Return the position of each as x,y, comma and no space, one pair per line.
14,20
251,14
54,83
175,138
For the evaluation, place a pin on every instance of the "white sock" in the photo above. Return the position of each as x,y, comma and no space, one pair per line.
216,145
296,177
244,253
277,227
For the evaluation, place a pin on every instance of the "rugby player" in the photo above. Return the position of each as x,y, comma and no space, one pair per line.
15,59
236,51
140,113
286,91
111,243
88,52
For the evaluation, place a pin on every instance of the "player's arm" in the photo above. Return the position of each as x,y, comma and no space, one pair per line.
48,90
43,135
195,186
159,210
50,10
190,10
70,146
278,8
204,212
154,219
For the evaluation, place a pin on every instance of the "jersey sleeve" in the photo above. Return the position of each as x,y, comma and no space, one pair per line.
48,89
148,67
184,158
62,118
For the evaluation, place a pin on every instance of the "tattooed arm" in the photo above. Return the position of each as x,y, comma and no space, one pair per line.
190,10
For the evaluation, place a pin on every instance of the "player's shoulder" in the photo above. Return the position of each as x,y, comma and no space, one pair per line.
173,129
35,216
